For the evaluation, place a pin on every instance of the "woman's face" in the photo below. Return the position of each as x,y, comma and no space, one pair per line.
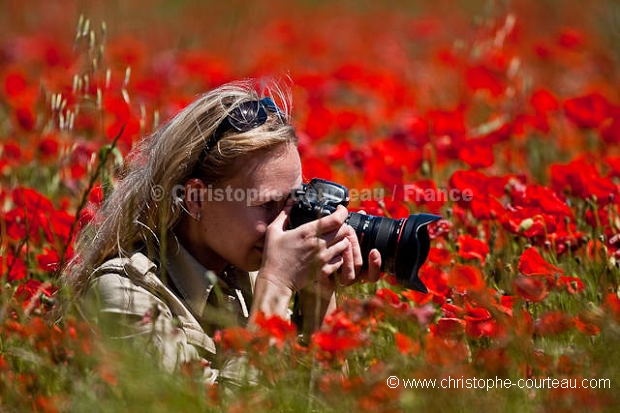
234,215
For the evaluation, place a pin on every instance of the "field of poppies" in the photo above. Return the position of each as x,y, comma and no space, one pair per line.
503,117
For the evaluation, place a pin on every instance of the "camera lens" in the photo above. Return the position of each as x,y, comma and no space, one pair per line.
404,243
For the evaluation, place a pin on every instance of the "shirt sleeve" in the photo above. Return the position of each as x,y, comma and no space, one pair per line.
124,310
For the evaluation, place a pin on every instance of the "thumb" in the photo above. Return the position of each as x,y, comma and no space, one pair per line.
281,221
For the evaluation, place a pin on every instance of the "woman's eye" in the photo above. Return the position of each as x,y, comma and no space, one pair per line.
269,205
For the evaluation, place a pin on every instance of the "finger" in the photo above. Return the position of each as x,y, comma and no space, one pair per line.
374,266
348,270
356,250
325,224
280,221
333,257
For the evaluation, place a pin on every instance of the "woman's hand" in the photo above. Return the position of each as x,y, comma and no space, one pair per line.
303,259
295,257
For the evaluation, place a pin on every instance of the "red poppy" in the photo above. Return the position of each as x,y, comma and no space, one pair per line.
587,111
48,260
338,340
425,192
610,131
12,267
439,256
494,361
477,153
611,304
573,285
450,310
472,248
533,289
48,148
435,280
30,216
571,38
553,323
540,198
317,167
528,222
15,84
417,297
588,323
466,278
234,338
406,345
580,178
531,263
448,327
483,78
480,323
276,328
26,291
439,350
544,101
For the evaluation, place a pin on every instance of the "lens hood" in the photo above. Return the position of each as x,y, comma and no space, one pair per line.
412,249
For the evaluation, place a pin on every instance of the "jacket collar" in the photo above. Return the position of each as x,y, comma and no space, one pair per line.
192,281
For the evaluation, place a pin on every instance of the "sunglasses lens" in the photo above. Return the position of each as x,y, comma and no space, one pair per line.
247,116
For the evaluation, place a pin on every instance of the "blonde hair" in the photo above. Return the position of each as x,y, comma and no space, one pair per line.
142,209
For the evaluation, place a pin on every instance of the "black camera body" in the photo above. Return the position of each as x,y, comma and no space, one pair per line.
403,243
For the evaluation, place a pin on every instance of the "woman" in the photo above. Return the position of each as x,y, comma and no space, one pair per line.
195,237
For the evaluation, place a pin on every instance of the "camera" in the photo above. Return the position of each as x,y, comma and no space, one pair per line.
403,243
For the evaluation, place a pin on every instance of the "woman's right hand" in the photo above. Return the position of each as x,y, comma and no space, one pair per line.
295,258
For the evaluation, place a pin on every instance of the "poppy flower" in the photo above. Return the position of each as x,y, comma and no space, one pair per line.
538,197
479,323
571,38
406,345
531,263
481,77
276,328
533,289
452,311
477,153
573,285
472,248
48,148
587,111
425,192
15,83
439,256
27,290
580,178
610,131
12,267
338,340
466,278
417,297
544,101
494,361
553,323
234,338
611,304
527,222
48,260
448,327
442,350
435,279
588,323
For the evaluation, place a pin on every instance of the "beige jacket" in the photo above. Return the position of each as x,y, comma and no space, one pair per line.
173,307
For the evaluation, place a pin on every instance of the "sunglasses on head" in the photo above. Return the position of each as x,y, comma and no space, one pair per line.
243,118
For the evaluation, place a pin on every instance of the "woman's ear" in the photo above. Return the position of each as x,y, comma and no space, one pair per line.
195,193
